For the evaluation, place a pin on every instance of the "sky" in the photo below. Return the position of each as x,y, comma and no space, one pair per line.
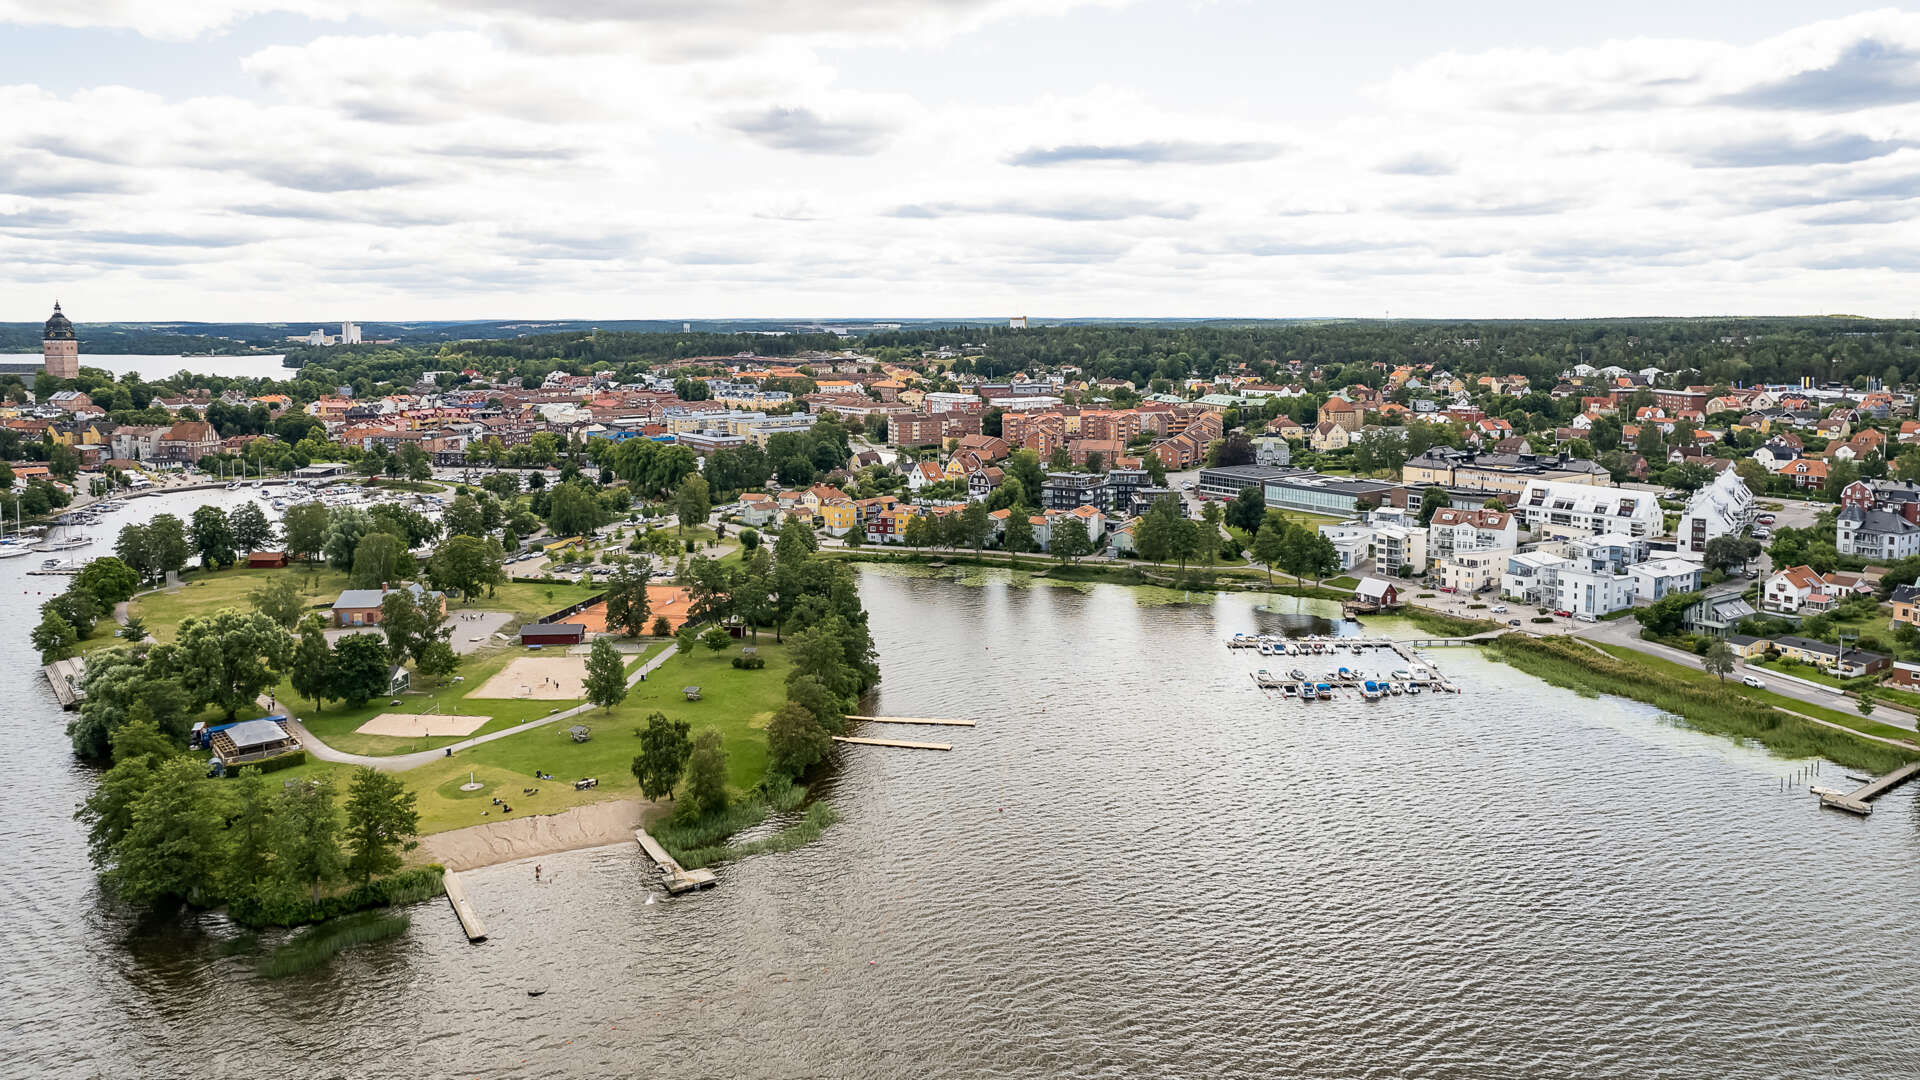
324,160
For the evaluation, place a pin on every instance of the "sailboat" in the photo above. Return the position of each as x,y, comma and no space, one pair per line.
13,545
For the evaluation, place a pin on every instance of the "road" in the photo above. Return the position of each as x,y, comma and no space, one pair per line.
1627,632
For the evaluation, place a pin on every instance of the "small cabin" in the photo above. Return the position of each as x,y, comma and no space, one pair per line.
266,560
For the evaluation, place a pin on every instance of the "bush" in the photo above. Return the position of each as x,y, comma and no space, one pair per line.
323,943
749,663
405,887
1541,618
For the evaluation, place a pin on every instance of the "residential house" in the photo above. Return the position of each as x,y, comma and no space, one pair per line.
1455,531
187,442
1834,659
1786,590
1554,508
1905,600
1471,571
1874,533
1656,578
1342,413
1328,436
1805,472
1379,593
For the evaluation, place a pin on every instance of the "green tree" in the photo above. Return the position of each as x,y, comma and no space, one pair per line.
1019,532
250,859
360,669
54,638
606,682
1718,659
173,843
1248,509
249,527
311,669
227,658
664,748
382,822
381,559
213,538
1069,541
716,638
707,774
437,659
1434,499
306,832
109,579
627,603
572,510
305,526
346,526
464,565
1270,543
404,623
690,502
279,599
166,544
795,741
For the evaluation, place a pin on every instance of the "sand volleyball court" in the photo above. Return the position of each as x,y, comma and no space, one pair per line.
540,678
416,724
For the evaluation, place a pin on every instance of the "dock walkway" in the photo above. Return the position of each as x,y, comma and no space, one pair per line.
66,677
912,720
904,744
1859,800
678,879
470,923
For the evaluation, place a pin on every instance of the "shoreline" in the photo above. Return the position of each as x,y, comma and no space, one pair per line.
595,825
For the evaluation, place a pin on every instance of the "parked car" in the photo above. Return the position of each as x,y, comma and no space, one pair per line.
1753,575
1499,609
1584,617
1513,622
1564,614
1753,681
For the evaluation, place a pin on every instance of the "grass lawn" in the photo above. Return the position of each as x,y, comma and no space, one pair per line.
1311,521
205,593
336,724
736,703
530,599
1681,671
1343,582
1810,673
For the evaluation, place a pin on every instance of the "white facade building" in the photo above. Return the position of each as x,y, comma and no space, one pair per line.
349,333
1452,532
1656,578
1722,508
1551,508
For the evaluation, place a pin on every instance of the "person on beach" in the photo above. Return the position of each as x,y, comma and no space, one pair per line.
536,871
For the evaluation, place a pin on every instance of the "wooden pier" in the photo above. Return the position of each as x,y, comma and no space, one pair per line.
911,720
904,744
677,879
1858,801
470,923
66,677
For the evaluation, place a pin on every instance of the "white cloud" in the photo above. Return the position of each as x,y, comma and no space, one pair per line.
452,157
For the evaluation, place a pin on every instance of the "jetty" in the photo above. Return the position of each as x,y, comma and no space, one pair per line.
1860,799
470,923
912,720
676,878
904,744
67,677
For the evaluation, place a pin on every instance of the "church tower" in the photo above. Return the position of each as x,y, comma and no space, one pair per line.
59,347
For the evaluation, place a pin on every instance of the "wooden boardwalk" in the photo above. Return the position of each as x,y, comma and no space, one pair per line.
904,744
678,879
470,923
912,720
1858,801
66,677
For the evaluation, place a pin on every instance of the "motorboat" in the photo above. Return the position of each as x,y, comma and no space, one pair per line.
14,551
1370,690
67,543
1297,675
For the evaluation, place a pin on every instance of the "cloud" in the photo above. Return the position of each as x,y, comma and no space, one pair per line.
328,177
802,129
1418,163
1095,208
1169,152
1867,73
1834,148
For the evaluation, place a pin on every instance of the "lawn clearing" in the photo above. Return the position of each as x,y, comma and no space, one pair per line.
415,725
204,593
538,678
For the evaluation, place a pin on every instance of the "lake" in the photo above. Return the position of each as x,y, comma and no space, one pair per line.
1136,865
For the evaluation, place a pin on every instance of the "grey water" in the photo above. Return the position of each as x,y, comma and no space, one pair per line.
1136,865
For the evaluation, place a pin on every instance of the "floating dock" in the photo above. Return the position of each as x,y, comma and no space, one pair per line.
912,720
67,677
904,744
470,923
1859,800
677,879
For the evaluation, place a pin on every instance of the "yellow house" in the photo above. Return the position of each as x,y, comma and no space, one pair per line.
838,516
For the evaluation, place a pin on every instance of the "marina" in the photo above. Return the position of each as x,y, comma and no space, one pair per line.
1346,681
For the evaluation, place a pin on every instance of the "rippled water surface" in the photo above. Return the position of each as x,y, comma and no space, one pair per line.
1137,865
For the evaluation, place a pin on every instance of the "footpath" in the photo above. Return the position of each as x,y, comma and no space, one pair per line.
312,743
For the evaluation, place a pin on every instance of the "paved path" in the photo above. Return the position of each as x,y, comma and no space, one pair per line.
402,762
1626,631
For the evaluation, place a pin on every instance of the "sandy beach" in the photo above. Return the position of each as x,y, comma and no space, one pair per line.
504,841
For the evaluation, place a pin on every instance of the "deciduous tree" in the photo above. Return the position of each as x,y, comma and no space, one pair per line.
664,748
